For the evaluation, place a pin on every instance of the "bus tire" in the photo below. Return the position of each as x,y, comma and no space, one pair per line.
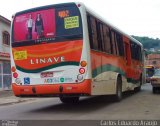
154,90
118,96
138,89
69,100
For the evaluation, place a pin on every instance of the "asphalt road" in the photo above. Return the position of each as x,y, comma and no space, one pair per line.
135,106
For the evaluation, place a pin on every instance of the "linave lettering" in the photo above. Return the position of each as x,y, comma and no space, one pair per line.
47,60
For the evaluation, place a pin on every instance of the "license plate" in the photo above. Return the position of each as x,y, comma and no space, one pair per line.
46,74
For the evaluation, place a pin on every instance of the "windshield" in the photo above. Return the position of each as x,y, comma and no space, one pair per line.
157,72
48,24
150,72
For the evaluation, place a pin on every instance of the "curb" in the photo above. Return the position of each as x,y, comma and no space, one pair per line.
13,100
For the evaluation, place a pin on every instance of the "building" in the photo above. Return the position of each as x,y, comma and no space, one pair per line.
153,59
5,71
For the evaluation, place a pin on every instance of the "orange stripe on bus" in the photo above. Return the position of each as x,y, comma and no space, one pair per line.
51,54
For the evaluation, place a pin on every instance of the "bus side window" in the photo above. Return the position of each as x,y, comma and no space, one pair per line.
102,37
136,51
114,51
116,43
140,54
99,35
120,44
94,33
106,42
90,31
132,50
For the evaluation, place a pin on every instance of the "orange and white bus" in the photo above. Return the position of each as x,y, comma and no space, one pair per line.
67,51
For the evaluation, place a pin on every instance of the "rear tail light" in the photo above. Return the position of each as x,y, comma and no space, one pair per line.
83,63
13,69
81,70
15,75
153,79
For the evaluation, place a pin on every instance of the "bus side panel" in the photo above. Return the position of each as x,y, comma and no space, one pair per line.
138,70
106,86
105,69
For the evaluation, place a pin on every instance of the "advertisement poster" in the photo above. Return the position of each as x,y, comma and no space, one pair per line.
34,25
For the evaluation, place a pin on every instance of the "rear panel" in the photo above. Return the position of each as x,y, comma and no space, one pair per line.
47,48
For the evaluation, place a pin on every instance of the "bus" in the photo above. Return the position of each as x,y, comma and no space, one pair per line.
150,70
67,51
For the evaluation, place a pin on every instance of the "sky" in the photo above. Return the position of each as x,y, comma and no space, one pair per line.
134,17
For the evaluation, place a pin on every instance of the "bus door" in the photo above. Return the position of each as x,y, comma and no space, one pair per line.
127,57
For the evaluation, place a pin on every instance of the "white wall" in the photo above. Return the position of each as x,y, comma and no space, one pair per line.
4,27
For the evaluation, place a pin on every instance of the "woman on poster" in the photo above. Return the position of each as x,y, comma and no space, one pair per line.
39,28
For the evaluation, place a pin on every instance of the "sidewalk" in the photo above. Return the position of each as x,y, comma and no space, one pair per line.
6,93
7,98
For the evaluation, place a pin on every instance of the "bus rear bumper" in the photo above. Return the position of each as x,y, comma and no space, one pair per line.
42,90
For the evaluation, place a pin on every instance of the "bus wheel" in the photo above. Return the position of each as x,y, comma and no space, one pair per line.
118,96
137,89
154,90
69,100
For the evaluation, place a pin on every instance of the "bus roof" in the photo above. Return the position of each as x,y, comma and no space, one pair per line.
111,25
88,10
45,7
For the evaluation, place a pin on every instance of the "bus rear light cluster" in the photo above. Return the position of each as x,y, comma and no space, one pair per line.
80,77
13,69
15,75
83,63
81,70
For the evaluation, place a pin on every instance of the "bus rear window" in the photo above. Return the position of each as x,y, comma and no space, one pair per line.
68,21
34,25
46,24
